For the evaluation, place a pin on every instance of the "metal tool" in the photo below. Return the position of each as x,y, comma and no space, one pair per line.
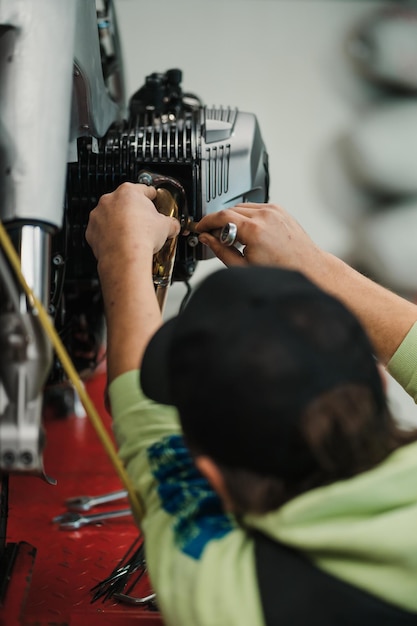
227,235
125,576
85,503
73,521
127,599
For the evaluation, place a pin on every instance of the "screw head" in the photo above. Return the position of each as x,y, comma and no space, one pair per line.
145,179
26,457
9,458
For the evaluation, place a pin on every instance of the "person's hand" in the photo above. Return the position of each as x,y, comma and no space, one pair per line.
126,222
124,231
268,234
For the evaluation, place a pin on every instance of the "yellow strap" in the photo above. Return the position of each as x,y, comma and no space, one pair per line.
136,504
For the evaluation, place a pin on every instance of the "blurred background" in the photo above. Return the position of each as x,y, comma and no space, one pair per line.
334,86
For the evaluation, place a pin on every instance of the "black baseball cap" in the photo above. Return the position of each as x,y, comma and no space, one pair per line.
252,348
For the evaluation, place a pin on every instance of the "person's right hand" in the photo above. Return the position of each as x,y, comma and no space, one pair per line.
270,236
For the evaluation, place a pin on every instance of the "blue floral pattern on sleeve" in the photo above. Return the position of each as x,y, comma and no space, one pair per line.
186,495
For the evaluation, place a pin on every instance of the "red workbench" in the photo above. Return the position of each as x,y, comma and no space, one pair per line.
55,570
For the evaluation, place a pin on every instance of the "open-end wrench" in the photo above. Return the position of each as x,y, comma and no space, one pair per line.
72,521
85,503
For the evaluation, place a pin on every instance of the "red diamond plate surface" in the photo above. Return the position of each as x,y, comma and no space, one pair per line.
52,588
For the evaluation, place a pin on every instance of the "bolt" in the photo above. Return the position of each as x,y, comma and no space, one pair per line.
145,178
8,458
192,241
26,457
58,260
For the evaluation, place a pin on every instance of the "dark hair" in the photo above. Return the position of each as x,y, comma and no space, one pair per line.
346,436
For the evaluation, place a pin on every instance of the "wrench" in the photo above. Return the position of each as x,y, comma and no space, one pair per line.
85,503
73,521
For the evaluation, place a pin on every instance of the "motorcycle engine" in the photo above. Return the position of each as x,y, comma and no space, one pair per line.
216,154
